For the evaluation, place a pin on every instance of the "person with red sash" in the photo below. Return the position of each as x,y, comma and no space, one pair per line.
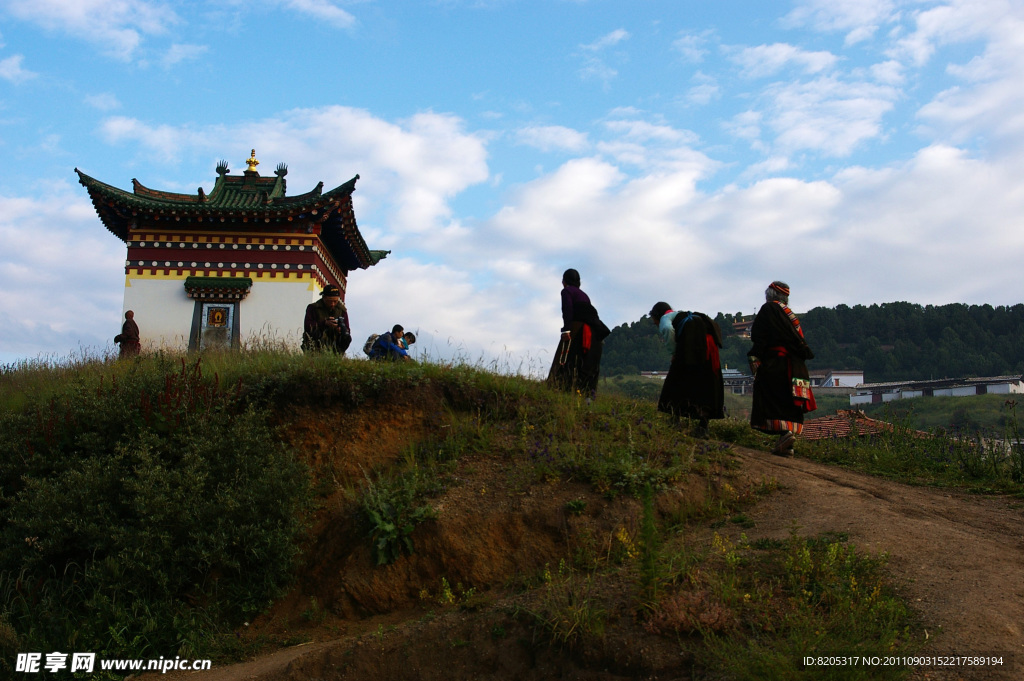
577,362
782,386
693,388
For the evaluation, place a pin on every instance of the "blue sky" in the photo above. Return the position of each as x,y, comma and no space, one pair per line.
865,151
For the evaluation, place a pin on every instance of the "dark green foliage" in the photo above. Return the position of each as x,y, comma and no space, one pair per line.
904,341
136,512
632,348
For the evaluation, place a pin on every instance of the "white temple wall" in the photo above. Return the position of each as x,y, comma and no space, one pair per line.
272,312
162,311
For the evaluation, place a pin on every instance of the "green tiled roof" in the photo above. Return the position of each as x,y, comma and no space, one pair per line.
258,202
231,193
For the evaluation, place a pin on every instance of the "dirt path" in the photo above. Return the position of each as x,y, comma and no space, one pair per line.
960,557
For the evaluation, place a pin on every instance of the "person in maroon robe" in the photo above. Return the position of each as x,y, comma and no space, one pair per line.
577,362
128,339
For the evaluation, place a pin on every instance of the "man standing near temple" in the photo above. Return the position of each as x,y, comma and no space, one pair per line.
326,324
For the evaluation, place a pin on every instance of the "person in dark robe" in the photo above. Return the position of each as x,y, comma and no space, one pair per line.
128,339
782,386
577,362
693,388
325,326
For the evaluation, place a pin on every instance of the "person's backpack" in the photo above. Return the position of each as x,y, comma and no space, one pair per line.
368,345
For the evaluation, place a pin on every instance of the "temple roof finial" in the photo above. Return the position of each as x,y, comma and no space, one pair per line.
252,162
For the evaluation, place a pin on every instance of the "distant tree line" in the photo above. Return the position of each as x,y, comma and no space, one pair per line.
889,342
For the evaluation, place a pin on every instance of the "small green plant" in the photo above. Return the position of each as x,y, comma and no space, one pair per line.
448,595
576,506
569,610
315,613
650,570
392,507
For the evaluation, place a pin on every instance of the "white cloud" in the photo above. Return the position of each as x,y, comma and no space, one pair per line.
703,92
324,10
79,263
104,101
116,26
767,60
647,131
746,125
453,314
827,115
860,19
552,137
179,52
954,22
692,46
608,40
987,101
595,67
11,70
411,167
867,234
889,72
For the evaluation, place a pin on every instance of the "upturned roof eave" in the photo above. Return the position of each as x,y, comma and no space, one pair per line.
151,201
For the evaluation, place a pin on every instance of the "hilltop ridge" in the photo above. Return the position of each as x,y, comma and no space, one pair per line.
461,524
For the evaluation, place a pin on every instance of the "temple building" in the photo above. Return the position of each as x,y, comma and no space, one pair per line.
236,265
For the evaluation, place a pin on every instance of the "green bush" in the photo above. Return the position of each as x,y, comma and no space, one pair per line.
137,514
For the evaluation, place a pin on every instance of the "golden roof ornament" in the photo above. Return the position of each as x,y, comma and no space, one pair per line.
252,162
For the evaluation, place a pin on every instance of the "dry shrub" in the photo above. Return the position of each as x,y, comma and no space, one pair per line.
688,612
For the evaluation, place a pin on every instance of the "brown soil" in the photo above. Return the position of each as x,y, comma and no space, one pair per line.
958,560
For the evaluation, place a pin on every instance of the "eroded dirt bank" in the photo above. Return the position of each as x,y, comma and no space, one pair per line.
958,559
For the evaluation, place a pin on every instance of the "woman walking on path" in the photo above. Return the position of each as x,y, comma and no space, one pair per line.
693,388
782,386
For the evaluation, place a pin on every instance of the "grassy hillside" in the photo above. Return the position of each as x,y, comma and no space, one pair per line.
223,505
